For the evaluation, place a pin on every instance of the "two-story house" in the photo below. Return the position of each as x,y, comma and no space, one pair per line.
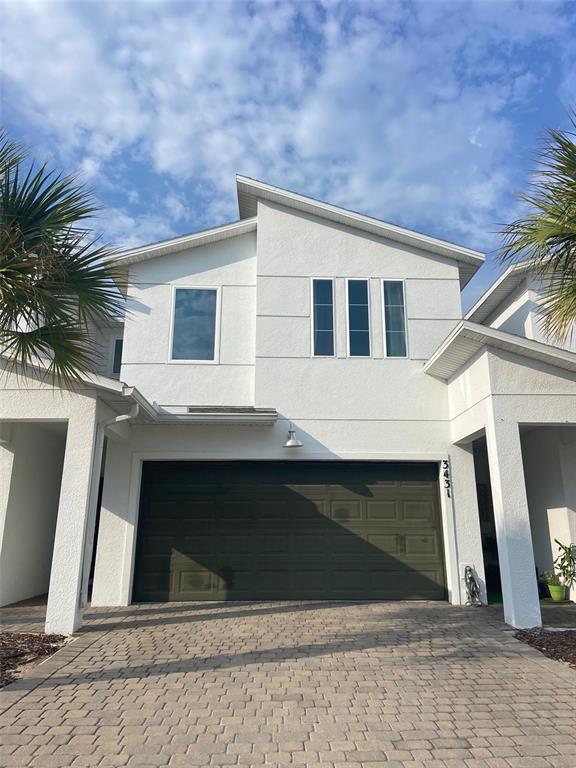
300,412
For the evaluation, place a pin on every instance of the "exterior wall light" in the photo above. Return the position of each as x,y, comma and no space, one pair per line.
292,441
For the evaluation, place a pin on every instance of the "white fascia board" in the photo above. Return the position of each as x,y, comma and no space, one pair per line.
498,292
252,419
469,338
163,247
251,190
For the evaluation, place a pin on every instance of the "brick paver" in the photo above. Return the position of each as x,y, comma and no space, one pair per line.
417,685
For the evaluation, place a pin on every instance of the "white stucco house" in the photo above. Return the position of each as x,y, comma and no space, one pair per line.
421,441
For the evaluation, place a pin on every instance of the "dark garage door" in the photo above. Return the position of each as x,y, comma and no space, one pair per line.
287,530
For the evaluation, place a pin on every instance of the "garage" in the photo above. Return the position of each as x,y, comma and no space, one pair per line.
289,530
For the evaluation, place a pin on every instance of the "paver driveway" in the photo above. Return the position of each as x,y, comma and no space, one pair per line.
331,684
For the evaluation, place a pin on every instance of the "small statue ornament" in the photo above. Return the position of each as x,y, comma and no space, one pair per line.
472,588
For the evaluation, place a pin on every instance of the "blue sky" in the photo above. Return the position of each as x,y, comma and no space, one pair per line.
426,114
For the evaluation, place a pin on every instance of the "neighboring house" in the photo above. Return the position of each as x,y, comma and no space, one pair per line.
425,438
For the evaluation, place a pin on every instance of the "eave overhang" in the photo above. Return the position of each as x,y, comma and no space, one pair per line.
230,415
500,289
186,242
250,191
468,338
113,392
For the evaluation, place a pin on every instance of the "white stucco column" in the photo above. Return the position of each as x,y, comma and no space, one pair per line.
513,534
112,583
64,611
466,547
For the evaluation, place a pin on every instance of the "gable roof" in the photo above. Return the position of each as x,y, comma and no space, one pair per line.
468,338
251,190
163,247
500,289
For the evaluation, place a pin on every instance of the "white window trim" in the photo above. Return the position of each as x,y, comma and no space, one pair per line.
370,340
332,281
394,280
217,319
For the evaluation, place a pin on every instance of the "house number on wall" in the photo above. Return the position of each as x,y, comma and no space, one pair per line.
446,476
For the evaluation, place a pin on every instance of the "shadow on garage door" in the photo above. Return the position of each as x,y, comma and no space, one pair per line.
289,530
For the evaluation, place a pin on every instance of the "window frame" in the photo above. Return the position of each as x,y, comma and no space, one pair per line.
312,329
370,341
113,341
385,346
217,320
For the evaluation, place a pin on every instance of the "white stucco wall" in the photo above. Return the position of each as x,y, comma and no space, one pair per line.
31,399
547,453
496,393
521,313
323,440
229,265
342,408
516,313
27,536
292,249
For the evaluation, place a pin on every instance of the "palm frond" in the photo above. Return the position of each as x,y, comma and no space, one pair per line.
42,206
11,153
56,281
546,237
62,351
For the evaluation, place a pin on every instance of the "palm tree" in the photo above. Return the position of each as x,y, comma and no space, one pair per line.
546,237
54,280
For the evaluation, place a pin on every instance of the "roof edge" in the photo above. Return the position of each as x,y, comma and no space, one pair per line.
203,237
490,337
480,311
361,221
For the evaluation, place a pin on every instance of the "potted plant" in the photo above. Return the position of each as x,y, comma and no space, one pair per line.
555,587
565,564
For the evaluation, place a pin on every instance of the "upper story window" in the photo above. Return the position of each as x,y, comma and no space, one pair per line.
394,319
323,311
358,319
117,357
194,324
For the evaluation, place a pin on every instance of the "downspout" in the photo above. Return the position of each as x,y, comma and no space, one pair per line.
89,542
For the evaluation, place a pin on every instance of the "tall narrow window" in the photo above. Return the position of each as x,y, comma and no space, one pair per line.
394,318
194,330
117,360
323,300
358,319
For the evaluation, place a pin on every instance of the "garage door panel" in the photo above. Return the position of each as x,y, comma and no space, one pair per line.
235,544
385,542
313,543
418,510
343,511
198,545
345,544
161,511
419,544
154,583
382,510
280,530
156,545
194,581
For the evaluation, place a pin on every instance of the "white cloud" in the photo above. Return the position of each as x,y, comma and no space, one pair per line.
65,77
89,168
176,209
123,230
404,112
